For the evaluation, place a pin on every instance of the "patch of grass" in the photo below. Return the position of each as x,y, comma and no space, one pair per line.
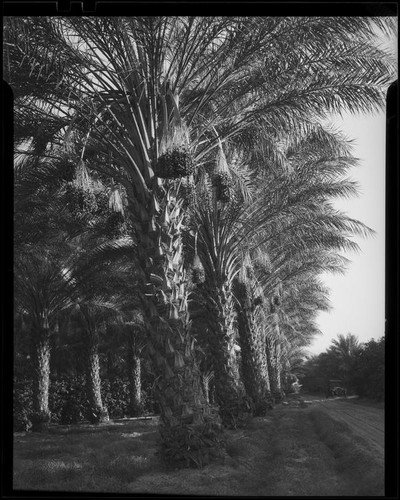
297,457
353,458
275,456
287,453
101,461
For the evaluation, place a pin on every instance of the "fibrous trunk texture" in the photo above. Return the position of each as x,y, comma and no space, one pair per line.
253,351
273,350
230,395
190,428
97,412
135,383
41,379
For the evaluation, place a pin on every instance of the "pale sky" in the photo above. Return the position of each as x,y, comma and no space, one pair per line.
358,297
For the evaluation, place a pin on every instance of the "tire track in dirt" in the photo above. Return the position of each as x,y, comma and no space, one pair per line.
365,422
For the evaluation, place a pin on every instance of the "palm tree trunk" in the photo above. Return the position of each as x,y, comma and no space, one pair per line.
41,379
189,427
253,350
273,351
230,394
97,413
269,350
279,393
135,383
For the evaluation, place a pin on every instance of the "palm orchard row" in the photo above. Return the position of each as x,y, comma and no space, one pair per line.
174,184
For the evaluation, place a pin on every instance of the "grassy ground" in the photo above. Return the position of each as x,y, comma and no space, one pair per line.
290,452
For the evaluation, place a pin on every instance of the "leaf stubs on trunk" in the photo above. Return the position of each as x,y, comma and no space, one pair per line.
218,336
252,341
135,384
189,426
97,412
41,380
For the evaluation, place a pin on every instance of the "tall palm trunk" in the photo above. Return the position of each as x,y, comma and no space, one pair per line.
41,379
273,350
253,350
189,427
230,393
97,412
135,381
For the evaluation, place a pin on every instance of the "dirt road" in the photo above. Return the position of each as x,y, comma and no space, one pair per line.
365,421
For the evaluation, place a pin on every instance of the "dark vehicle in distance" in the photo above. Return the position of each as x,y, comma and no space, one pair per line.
336,388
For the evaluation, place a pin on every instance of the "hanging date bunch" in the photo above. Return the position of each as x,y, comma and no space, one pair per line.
188,192
117,200
80,191
276,300
115,225
258,301
222,180
175,163
176,159
78,200
82,179
235,204
66,170
198,272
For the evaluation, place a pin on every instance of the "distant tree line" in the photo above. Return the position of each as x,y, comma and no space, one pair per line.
361,367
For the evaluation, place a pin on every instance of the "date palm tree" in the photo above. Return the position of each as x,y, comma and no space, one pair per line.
126,336
215,267
303,299
42,247
345,348
41,292
136,343
102,274
134,363
315,164
49,267
296,229
250,310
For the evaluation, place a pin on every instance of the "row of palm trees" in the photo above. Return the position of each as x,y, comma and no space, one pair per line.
205,134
